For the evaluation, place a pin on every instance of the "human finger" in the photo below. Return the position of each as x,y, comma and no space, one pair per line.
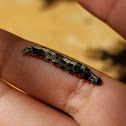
19,109
112,12
86,103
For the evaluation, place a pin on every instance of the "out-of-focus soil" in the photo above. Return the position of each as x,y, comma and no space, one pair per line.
65,26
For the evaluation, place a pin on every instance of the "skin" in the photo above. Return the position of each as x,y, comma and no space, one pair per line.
112,12
55,94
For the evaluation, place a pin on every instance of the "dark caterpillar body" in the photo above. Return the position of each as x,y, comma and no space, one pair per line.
63,62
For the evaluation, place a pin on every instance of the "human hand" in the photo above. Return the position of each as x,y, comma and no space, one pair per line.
49,87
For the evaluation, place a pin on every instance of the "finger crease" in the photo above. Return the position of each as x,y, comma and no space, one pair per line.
109,11
78,97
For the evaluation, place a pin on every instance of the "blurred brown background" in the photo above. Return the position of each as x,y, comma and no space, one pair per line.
65,26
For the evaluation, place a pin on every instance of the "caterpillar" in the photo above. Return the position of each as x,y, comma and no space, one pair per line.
63,63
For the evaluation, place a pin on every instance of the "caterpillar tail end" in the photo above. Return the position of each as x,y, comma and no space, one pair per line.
26,50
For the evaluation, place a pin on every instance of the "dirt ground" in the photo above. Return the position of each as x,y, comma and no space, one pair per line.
65,26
